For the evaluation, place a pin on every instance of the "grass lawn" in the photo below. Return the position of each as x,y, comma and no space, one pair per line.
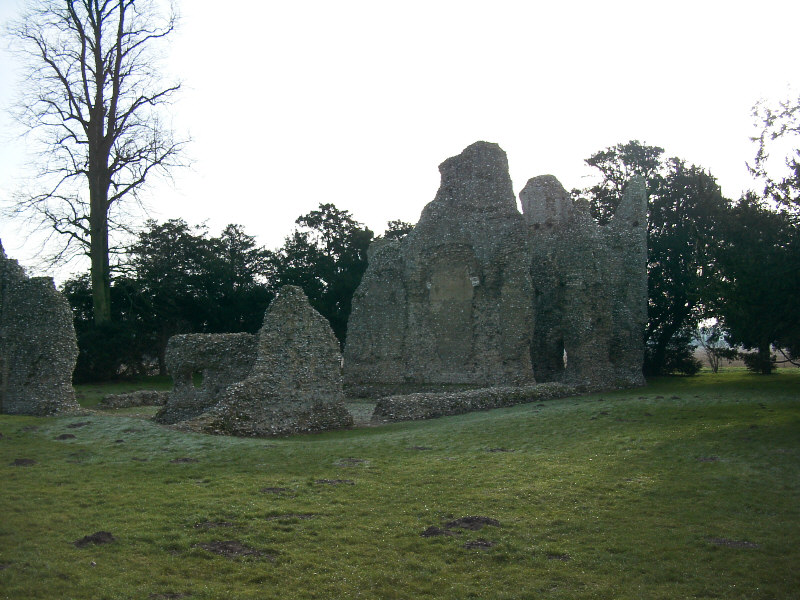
688,488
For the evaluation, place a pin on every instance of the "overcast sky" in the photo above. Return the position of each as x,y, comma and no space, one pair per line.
290,104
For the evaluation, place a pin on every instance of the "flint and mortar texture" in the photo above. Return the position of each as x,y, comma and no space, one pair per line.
590,286
479,295
450,303
38,348
295,385
412,407
222,358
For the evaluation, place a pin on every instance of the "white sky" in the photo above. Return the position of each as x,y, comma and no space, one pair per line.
293,103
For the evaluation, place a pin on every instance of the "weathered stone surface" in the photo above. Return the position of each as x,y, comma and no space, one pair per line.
221,358
412,407
38,349
450,303
295,385
590,286
479,295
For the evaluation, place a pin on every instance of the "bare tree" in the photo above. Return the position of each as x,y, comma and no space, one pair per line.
711,338
92,97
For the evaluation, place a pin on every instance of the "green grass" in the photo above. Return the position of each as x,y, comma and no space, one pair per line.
689,488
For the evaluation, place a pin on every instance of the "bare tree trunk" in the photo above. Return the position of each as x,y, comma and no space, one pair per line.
92,88
101,279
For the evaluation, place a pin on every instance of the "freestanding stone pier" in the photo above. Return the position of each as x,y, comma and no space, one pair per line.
295,385
38,349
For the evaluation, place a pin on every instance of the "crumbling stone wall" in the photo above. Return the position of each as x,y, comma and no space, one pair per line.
412,407
38,348
590,286
450,303
480,295
221,358
295,385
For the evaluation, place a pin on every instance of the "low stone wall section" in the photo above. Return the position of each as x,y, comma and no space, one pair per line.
413,407
222,358
38,348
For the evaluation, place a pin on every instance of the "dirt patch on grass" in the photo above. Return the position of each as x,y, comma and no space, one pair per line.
336,481
232,549
420,448
185,459
731,543
29,428
139,459
22,462
434,531
169,596
274,490
4,567
78,424
561,557
291,516
500,450
472,523
66,436
479,544
101,537
708,459
212,524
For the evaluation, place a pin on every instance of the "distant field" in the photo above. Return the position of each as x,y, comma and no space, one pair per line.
688,488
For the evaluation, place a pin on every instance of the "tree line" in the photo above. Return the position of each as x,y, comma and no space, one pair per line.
94,101
721,273
179,279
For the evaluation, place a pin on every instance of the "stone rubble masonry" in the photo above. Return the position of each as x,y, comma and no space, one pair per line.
590,286
479,295
451,302
412,407
221,358
38,348
295,385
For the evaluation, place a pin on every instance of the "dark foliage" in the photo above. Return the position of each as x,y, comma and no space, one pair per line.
684,209
326,256
759,268
178,280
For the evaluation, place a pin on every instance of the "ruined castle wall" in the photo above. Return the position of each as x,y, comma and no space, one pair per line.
627,239
454,294
222,358
379,320
590,286
38,348
295,385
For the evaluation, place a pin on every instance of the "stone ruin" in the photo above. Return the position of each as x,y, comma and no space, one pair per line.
221,359
450,303
293,383
590,286
479,295
38,348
